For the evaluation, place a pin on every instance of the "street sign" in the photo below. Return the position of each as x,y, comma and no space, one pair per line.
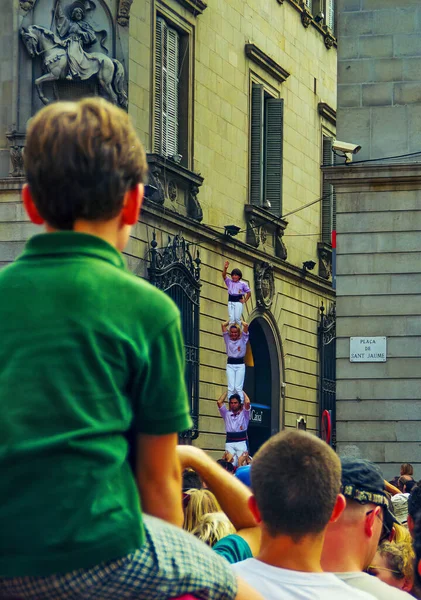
367,349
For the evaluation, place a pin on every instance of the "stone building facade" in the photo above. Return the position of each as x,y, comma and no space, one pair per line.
378,230
234,101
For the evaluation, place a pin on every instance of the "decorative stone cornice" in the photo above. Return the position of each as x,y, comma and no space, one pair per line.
324,252
196,7
327,112
123,16
168,180
330,39
260,223
267,63
365,176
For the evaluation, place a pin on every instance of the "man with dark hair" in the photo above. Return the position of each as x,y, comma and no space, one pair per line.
236,421
414,507
296,480
352,540
191,480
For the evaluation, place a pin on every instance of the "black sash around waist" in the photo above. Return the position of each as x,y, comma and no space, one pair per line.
235,298
236,436
232,360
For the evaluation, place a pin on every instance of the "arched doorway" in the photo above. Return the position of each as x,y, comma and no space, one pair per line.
263,381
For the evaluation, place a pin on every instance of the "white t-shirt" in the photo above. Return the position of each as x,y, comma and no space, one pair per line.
372,585
282,584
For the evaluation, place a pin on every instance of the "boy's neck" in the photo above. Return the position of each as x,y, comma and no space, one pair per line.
109,231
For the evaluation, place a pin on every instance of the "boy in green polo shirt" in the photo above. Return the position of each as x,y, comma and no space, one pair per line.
89,351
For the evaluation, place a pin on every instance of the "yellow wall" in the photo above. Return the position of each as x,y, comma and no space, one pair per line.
221,153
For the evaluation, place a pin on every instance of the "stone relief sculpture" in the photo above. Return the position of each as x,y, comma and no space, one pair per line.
64,55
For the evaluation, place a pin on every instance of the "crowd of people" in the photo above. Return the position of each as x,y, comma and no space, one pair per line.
92,374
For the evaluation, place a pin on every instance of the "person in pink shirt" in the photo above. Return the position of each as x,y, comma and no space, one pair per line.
236,420
238,293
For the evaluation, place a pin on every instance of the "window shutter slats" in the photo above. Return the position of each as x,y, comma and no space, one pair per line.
166,89
328,199
330,16
159,77
173,46
256,145
274,108
309,4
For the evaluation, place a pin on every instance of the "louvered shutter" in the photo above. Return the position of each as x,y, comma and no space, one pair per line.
330,14
171,92
256,145
309,4
159,80
328,198
274,121
166,89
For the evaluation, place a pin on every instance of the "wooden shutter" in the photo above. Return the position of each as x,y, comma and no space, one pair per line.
274,121
166,89
328,197
309,4
159,81
256,145
330,14
171,92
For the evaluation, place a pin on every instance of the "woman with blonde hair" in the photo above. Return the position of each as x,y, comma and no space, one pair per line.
212,527
197,503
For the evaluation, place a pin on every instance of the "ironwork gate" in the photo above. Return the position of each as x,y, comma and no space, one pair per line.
174,271
327,385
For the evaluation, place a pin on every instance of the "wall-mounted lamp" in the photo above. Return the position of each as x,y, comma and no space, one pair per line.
319,17
176,158
308,265
232,230
150,190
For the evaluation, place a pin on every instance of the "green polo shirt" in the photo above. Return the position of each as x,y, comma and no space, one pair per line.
87,350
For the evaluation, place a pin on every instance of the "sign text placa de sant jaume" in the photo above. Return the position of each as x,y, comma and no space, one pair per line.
367,349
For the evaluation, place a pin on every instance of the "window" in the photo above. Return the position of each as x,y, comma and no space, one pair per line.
328,194
330,14
172,91
166,89
266,148
325,8
309,4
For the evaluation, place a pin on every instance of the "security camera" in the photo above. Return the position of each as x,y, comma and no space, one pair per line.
345,149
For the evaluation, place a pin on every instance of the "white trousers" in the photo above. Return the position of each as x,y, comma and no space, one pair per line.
235,312
235,379
236,449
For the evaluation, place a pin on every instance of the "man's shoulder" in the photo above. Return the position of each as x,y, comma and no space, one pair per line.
372,585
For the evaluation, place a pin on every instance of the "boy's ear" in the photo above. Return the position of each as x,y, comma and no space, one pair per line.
30,207
132,202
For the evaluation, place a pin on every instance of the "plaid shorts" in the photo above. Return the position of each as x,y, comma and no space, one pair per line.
171,563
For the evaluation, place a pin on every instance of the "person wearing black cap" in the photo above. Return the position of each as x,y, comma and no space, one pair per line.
351,541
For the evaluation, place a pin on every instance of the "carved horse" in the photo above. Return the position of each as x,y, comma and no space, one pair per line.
40,41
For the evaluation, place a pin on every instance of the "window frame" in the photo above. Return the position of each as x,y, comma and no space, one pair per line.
270,92
186,31
327,134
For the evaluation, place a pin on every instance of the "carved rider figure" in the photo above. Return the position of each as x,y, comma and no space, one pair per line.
76,33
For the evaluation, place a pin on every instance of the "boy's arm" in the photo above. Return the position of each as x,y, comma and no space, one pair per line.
231,494
246,402
246,297
158,476
224,272
245,326
224,326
